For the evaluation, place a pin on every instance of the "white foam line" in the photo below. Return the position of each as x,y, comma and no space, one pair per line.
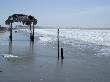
8,56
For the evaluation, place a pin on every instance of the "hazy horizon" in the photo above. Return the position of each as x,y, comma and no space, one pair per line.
63,13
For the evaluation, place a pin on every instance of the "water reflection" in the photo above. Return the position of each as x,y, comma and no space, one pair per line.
24,55
31,47
60,64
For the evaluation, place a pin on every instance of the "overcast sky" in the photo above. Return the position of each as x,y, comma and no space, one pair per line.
64,13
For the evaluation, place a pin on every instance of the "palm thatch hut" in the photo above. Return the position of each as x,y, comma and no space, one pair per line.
24,19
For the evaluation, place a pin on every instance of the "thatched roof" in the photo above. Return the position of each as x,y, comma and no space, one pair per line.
25,19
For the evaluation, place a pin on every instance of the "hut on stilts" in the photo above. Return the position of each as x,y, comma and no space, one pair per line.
25,20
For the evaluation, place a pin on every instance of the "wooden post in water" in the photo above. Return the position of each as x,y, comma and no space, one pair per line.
11,32
10,47
58,43
33,33
30,32
62,57
30,27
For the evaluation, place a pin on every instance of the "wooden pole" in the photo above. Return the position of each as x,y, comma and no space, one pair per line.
11,32
58,43
30,27
62,57
30,32
33,33
10,47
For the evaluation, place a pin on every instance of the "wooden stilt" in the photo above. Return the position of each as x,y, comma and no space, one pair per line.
10,47
30,27
11,32
30,32
58,43
62,57
33,33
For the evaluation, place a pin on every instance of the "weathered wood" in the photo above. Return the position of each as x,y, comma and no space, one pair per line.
30,27
58,42
10,47
33,33
30,32
11,32
62,57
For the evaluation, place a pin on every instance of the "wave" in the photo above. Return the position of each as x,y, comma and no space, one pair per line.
8,56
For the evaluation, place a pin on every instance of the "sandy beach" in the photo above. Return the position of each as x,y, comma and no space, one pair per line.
85,60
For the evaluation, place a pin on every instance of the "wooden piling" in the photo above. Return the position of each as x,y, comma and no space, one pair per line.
11,32
30,27
10,47
30,33
62,57
58,42
33,33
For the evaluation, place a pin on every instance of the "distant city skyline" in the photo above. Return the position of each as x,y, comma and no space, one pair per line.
62,13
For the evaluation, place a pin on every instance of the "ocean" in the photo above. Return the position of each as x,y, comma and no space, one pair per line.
86,56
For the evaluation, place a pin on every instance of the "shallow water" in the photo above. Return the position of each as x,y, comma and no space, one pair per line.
86,56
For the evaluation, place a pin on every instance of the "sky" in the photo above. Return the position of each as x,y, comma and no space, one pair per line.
60,13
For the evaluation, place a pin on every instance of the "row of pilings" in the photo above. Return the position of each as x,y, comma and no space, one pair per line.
32,39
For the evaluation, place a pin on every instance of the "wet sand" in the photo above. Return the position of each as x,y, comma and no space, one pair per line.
37,62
